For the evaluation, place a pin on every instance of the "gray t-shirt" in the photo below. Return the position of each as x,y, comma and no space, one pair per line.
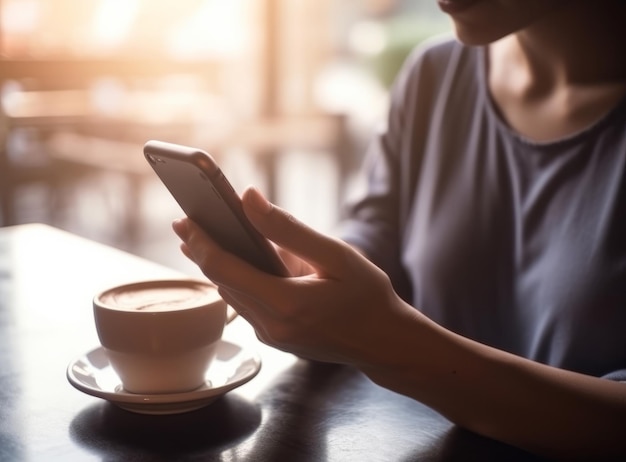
517,244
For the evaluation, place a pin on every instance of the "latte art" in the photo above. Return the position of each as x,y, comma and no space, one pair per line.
153,298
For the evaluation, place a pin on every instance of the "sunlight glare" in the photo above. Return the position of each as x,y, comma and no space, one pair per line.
112,22
368,38
19,16
216,29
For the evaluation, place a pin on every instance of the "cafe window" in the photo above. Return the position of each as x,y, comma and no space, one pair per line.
195,29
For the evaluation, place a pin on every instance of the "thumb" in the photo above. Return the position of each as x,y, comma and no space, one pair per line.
277,225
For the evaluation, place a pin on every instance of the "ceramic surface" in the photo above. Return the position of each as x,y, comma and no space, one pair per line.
232,367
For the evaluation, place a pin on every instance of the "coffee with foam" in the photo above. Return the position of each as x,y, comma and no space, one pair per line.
160,336
158,297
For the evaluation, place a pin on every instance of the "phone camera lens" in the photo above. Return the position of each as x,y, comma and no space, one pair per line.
151,159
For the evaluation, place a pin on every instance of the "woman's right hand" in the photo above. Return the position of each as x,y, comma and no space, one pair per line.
336,306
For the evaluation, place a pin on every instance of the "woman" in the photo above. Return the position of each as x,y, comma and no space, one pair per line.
490,277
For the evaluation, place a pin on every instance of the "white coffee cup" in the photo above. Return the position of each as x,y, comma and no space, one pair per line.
160,336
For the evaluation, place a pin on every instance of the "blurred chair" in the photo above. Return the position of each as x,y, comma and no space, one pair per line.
75,141
24,159
266,138
70,134
296,44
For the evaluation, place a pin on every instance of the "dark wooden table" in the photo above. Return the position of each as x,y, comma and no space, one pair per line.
294,410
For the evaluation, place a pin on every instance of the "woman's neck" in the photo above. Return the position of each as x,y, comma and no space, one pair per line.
561,74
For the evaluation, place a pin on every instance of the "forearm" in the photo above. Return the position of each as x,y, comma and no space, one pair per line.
346,311
542,409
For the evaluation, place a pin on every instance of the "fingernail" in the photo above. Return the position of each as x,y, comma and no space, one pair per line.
180,227
258,201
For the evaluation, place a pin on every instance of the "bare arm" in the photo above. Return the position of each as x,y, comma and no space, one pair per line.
544,410
547,411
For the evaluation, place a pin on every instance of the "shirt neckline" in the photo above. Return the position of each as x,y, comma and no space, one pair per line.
495,114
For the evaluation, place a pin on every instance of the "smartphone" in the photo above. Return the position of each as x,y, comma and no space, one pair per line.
207,197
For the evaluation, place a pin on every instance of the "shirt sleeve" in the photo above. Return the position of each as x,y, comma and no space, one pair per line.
372,220
618,376
376,220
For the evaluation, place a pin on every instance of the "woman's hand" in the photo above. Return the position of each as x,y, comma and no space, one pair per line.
341,308
296,265
336,307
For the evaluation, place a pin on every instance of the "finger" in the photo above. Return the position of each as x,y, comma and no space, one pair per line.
198,246
185,250
226,269
324,253
198,252
241,304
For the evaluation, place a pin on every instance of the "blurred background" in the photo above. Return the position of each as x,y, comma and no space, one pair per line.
285,94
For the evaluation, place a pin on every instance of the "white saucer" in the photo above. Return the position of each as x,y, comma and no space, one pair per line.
233,366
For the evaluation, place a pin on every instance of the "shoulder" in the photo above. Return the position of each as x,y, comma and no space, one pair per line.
439,73
435,50
438,55
434,65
